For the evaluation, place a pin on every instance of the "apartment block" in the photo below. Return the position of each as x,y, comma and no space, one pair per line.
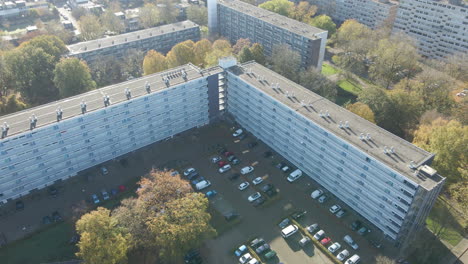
161,39
440,27
235,19
15,9
372,13
382,177
56,141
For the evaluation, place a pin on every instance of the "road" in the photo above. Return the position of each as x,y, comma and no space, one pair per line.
66,15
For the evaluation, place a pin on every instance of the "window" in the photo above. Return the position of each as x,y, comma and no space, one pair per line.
368,159
365,168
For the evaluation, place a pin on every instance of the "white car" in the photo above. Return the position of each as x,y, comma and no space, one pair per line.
189,171
215,159
257,180
245,258
243,186
104,170
335,208
224,168
253,261
319,235
311,229
294,175
343,255
334,247
246,170
289,231
237,133
316,194
254,197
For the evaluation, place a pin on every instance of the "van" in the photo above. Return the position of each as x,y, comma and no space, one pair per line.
294,175
202,185
289,231
353,260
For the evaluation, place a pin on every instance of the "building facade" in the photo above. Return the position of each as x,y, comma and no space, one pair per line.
372,13
440,27
14,9
161,39
235,19
382,177
56,141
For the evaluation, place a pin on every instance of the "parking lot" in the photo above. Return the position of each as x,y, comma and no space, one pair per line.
196,148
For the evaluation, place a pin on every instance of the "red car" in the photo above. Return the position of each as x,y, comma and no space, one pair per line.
228,153
325,241
222,163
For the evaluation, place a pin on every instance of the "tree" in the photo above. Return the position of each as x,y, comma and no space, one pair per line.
180,54
149,16
362,110
201,48
198,14
183,225
407,108
72,77
154,62
221,48
90,27
106,70
240,44
257,53
384,260
11,104
281,7
78,12
285,61
132,63
302,12
324,22
168,12
393,59
51,45
245,55
313,80
222,44
101,241
111,22
56,29
449,141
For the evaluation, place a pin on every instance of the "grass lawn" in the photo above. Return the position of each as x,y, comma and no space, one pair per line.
328,70
48,245
350,86
441,215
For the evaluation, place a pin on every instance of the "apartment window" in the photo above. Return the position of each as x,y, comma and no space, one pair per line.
365,168
368,159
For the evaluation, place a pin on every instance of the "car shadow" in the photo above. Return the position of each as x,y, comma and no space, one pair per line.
293,242
274,260
309,249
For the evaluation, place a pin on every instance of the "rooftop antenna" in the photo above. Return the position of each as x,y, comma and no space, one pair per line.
362,137
303,103
166,80
321,113
392,150
128,93
412,165
368,136
327,113
148,87
184,74
32,122
59,114
386,150
5,129
346,124
340,125
83,107
277,85
106,100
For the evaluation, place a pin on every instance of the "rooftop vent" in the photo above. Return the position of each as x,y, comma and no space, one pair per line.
128,93
392,150
321,114
83,107
125,39
5,129
412,165
386,150
368,136
151,34
32,122
362,137
106,100
327,114
148,87
138,36
340,125
166,80
184,74
59,113
85,48
113,42
346,124
99,45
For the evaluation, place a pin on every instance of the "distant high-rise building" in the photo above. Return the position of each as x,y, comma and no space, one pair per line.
440,27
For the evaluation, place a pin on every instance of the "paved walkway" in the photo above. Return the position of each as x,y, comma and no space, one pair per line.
460,253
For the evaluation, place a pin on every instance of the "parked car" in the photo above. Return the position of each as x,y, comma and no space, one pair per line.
224,168
19,205
46,220
353,260
285,168
234,176
334,247
262,248
325,241
189,171
363,230
304,241
289,231
53,191
343,255
334,208
105,195
284,223
194,182
242,136
228,154
222,163
243,186
95,199
341,213
202,185
270,254
235,161
259,201
215,160
211,194
298,215
231,158
350,242
312,228
316,194
238,132
241,250
231,215
104,170
174,173
254,260
322,199
257,242
252,144
246,170
280,165
257,181
254,197
319,235
56,216
356,225
293,176
269,189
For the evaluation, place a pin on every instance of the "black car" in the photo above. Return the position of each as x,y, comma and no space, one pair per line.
231,158
267,154
235,161
257,242
259,201
280,165
56,216
234,176
231,215
252,144
192,175
19,205
356,225
269,189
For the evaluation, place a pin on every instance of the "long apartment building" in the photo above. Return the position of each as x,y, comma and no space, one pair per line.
15,9
56,141
235,19
440,27
372,13
384,178
161,39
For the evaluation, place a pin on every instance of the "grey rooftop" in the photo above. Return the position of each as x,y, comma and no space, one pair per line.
330,116
129,37
273,18
71,107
